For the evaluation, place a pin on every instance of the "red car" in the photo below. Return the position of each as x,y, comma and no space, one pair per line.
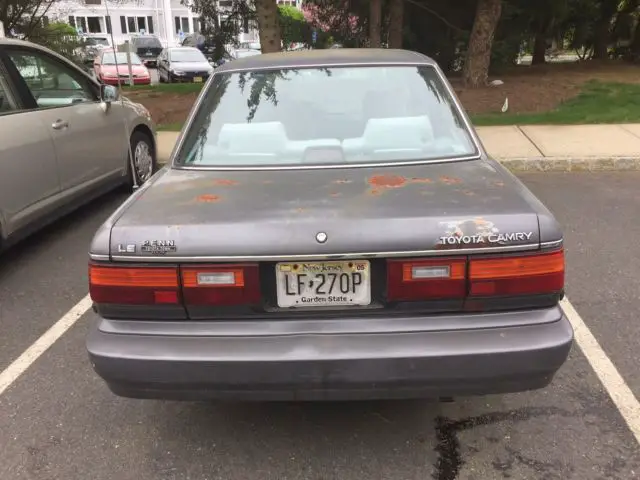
111,68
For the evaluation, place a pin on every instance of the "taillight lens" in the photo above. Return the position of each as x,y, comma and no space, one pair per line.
221,284
518,275
134,285
411,280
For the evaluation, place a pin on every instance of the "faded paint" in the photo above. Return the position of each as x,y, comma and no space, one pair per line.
223,182
450,180
341,181
420,180
207,198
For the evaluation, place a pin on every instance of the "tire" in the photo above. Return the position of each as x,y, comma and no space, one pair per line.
160,80
140,144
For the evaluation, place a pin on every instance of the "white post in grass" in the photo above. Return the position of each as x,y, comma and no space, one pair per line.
128,45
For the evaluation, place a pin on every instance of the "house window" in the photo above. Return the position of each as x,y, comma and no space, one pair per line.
88,24
136,24
93,2
182,23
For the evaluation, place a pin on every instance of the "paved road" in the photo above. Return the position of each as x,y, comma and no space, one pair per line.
58,421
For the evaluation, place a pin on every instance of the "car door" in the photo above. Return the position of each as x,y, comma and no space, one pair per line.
90,142
163,67
28,171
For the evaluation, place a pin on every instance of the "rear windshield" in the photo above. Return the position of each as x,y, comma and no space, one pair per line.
325,116
147,42
186,55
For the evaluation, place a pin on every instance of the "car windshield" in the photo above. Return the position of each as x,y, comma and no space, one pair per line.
186,55
324,116
147,42
97,41
111,58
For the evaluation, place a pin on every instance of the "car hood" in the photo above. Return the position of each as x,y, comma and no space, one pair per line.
362,210
190,66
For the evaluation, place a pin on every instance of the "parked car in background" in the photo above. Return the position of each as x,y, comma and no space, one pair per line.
330,227
112,68
64,138
147,47
201,42
92,45
183,64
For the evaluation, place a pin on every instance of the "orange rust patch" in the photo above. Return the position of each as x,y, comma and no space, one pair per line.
450,180
421,180
224,182
375,192
207,198
387,181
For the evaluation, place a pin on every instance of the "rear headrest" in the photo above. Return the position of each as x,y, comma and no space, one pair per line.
261,138
398,133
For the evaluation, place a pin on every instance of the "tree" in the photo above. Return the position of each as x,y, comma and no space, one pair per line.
476,66
396,23
268,25
375,23
602,28
293,24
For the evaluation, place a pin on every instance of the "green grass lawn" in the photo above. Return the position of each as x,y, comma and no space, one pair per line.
597,103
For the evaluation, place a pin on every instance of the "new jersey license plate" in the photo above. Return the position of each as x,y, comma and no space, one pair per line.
323,284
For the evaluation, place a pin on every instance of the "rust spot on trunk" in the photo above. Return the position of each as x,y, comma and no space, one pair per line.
207,198
224,182
421,180
450,180
387,181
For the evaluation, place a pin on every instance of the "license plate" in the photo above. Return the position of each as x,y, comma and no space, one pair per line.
197,79
323,284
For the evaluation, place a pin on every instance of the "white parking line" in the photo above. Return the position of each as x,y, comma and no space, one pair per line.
48,338
614,384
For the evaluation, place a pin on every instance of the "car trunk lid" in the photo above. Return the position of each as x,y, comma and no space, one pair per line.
191,215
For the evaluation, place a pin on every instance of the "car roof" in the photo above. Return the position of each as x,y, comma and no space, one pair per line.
324,57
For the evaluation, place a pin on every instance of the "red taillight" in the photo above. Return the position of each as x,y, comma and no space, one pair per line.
221,284
519,275
448,278
133,285
410,280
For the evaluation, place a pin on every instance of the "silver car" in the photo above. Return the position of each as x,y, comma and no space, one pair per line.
64,138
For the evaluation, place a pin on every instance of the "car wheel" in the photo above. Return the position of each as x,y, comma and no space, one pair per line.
145,163
160,79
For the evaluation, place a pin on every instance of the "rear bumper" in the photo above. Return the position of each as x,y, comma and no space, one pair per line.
345,366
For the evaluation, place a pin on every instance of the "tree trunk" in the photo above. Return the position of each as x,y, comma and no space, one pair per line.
539,49
396,23
375,23
602,33
635,44
476,65
268,25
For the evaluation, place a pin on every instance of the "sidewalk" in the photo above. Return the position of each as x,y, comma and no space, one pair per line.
541,148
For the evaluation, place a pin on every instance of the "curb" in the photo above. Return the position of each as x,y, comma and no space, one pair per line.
558,164
570,164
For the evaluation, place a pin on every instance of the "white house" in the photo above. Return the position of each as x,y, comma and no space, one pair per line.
168,19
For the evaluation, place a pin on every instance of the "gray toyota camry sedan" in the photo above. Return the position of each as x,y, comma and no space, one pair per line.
329,227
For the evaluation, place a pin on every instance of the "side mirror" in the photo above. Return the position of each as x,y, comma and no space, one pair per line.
108,93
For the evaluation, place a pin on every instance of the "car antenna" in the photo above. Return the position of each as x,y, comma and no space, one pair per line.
134,175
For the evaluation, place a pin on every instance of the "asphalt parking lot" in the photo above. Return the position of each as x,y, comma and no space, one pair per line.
59,421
